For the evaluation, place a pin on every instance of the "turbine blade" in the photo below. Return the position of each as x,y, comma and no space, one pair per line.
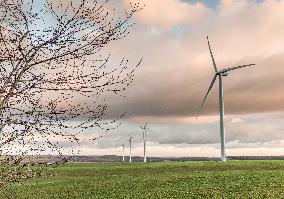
209,89
235,68
212,57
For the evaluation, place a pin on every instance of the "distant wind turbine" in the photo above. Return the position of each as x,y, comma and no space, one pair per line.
219,74
144,128
130,141
122,152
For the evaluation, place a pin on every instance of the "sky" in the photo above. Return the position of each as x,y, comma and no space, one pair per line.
176,72
169,85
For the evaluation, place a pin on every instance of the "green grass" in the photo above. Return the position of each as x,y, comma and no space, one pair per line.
233,179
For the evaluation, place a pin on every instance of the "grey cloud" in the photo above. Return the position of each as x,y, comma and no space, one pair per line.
251,90
177,69
257,129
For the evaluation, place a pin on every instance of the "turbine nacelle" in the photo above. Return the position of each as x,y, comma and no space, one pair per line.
224,74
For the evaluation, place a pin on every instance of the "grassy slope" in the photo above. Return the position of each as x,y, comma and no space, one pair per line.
235,179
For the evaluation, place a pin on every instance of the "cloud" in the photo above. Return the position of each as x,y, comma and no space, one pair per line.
177,68
176,71
171,13
257,129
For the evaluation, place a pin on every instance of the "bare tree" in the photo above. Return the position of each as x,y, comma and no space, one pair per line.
53,73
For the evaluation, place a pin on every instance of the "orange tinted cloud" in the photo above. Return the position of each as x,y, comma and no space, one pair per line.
170,13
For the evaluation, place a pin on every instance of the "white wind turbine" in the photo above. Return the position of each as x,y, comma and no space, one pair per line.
220,74
122,152
144,128
130,141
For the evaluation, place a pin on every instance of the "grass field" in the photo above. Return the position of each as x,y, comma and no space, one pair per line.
234,179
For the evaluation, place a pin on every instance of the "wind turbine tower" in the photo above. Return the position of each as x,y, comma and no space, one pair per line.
122,152
130,141
220,74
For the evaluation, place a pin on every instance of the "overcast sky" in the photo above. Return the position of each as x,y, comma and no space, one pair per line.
170,36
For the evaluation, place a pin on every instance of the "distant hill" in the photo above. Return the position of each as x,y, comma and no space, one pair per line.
114,158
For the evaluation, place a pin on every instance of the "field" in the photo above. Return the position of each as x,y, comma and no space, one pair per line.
233,179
